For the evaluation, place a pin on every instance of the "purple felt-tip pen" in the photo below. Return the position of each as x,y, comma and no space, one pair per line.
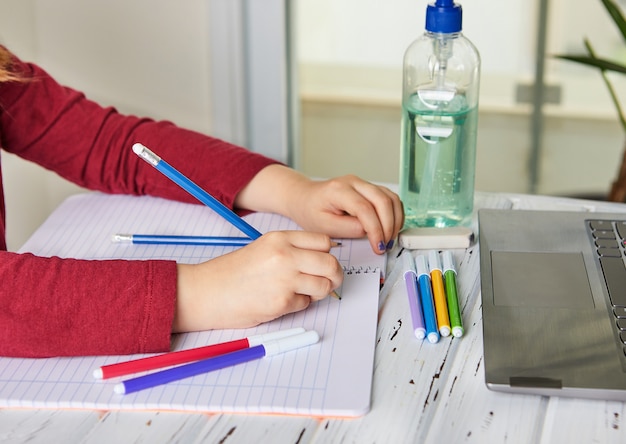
415,307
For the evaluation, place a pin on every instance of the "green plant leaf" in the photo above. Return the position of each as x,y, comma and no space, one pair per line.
616,14
594,62
604,65
609,85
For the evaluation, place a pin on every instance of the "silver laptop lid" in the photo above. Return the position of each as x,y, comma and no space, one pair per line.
547,325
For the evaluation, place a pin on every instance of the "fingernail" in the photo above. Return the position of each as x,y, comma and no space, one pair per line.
390,244
381,246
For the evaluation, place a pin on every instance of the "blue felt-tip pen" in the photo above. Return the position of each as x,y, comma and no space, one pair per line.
415,306
426,296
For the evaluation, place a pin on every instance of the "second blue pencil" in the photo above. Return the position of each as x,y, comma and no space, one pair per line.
164,239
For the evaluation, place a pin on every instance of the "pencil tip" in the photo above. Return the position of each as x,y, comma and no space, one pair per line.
335,295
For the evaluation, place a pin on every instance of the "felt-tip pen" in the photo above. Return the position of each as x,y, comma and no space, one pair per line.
415,307
426,297
269,348
449,274
439,293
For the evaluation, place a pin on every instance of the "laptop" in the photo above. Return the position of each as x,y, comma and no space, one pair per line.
554,302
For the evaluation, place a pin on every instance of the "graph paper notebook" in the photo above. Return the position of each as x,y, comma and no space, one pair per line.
331,378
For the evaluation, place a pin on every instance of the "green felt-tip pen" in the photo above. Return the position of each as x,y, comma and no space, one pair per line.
449,276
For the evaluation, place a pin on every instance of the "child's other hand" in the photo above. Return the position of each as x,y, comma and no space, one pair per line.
346,206
350,207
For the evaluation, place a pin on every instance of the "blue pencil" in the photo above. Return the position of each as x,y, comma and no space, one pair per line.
193,189
269,348
160,239
426,295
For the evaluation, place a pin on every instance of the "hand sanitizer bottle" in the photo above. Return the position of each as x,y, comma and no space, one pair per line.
439,122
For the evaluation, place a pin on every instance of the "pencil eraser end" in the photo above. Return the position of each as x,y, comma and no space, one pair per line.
138,148
122,238
457,332
431,238
433,338
119,389
444,331
97,373
420,333
146,154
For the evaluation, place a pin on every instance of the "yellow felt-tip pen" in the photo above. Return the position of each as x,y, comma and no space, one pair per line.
439,294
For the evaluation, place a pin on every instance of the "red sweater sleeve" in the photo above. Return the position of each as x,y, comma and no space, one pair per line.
91,146
53,306
65,307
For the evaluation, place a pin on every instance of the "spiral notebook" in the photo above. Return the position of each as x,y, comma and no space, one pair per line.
331,378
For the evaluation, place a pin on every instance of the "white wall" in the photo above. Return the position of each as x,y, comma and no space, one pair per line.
152,57
146,57
375,34
350,54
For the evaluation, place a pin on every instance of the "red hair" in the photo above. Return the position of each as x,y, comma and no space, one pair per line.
6,66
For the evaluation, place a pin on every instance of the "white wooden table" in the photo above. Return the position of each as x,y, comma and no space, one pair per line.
421,392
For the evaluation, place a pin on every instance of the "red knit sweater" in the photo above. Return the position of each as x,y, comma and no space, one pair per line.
56,307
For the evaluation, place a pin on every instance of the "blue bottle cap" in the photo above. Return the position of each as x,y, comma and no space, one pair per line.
444,16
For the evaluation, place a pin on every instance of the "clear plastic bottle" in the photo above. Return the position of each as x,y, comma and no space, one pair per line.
439,122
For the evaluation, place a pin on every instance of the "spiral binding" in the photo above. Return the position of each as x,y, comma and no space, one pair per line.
359,269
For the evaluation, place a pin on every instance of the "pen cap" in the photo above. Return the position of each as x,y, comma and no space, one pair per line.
408,263
266,337
291,343
434,262
433,337
448,261
420,264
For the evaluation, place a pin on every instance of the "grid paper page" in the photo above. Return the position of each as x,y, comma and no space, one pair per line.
331,378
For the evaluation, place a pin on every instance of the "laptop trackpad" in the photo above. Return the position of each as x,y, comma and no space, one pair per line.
540,280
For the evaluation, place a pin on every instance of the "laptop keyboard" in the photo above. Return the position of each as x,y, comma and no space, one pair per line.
609,237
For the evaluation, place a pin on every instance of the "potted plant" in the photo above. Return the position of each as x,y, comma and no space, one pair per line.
618,187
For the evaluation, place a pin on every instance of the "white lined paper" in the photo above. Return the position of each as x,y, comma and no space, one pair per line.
332,378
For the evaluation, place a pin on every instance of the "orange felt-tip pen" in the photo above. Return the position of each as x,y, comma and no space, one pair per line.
439,294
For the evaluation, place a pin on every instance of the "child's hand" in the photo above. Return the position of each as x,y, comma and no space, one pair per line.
279,273
350,207
346,206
